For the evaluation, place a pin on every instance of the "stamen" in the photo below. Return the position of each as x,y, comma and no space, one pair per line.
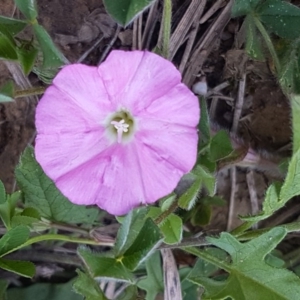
121,127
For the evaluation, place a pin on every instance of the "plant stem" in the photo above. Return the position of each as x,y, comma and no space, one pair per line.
242,228
167,212
30,92
208,257
268,42
166,29
59,237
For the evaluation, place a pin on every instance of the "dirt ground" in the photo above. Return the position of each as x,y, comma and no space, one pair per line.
264,122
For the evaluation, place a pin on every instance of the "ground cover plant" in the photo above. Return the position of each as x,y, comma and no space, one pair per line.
131,125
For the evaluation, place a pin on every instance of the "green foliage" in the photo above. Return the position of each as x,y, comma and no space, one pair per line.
28,8
7,92
220,146
146,241
52,57
87,287
2,193
280,17
289,76
13,239
123,12
3,287
13,26
171,226
22,268
7,45
7,209
204,126
249,274
100,266
44,291
129,230
154,282
41,193
254,43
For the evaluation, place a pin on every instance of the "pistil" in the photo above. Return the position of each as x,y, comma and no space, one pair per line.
121,127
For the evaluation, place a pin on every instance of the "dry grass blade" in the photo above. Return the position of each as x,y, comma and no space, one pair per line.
206,44
153,16
171,276
192,13
191,37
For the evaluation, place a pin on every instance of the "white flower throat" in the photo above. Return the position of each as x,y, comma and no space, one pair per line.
121,127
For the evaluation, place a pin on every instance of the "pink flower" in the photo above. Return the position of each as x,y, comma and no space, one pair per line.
119,135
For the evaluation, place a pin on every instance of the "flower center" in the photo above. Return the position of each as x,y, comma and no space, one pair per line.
121,126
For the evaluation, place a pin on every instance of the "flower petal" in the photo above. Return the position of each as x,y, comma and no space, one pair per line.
178,106
176,144
142,77
85,88
58,113
61,153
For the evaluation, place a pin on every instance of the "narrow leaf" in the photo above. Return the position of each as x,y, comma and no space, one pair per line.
23,268
2,193
7,92
14,26
28,8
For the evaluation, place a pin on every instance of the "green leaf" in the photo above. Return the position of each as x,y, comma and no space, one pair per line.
208,179
27,54
281,17
220,146
270,204
130,293
7,209
14,26
123,12
291,186
53,59
188,199
254,43
243,7
44,291
129,230
144,244
204,126
3,287
171,227
201,215
87,287
7,92
7,45
41,193
23,268
249,274
101,266
2,193
12,239
295,103
154,282
205,269
28,8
